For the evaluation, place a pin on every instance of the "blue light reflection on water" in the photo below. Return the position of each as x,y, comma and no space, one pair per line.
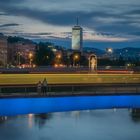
15,106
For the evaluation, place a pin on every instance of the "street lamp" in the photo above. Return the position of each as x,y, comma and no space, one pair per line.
47,57
30,58
18,58
58,59
59,56
75,58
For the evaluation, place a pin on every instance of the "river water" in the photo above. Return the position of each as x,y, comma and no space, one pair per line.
105,124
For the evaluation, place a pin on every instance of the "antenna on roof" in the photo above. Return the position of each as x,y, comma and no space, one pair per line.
77,21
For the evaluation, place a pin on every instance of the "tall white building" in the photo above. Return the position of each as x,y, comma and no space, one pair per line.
77,38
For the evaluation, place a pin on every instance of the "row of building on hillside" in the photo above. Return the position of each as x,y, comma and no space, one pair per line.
3,50
14,53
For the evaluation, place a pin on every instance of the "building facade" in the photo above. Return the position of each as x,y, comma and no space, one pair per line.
3,51
20,53
77,38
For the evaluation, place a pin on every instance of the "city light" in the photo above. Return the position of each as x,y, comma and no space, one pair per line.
59,65
75,59
109,50
30,58
30,55
58,60
59,56
55,65
47,57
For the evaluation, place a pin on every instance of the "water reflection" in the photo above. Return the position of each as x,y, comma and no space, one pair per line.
135,114
30,120
3,119
41,119
112,124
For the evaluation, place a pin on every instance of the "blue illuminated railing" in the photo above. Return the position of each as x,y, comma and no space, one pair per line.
16,106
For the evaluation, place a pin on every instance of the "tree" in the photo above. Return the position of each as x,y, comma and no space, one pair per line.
44,55
84,61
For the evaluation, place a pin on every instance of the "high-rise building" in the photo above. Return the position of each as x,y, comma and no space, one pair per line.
77,37
3,50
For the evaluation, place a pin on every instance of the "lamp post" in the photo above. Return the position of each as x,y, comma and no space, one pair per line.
59,56
18,58
58,59
75,58
30,58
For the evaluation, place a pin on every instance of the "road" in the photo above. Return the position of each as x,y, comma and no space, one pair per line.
18,79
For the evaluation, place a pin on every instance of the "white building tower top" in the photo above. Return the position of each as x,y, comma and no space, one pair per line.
77,37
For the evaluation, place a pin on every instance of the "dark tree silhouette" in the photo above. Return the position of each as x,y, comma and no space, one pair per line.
44,55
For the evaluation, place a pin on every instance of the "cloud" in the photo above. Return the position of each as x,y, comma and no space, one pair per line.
2,14
9,25
107,18
136,11
87,36
55,17
66,18
7,2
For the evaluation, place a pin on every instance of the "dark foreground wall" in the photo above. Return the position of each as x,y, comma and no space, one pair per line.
71,89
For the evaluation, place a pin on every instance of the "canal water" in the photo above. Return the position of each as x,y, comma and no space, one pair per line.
70,118
108,124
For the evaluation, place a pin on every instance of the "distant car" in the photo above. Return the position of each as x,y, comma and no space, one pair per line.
108,67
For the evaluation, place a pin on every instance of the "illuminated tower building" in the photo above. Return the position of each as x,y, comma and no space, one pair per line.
77,37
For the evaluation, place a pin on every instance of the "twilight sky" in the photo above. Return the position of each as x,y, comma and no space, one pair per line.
102,20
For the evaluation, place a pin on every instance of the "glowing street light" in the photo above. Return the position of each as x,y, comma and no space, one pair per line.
59,56
110,53
75,58
30,55
47,57
58,59
109,50
30,58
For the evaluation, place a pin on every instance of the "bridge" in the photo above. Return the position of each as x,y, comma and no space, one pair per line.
68,92
17,106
